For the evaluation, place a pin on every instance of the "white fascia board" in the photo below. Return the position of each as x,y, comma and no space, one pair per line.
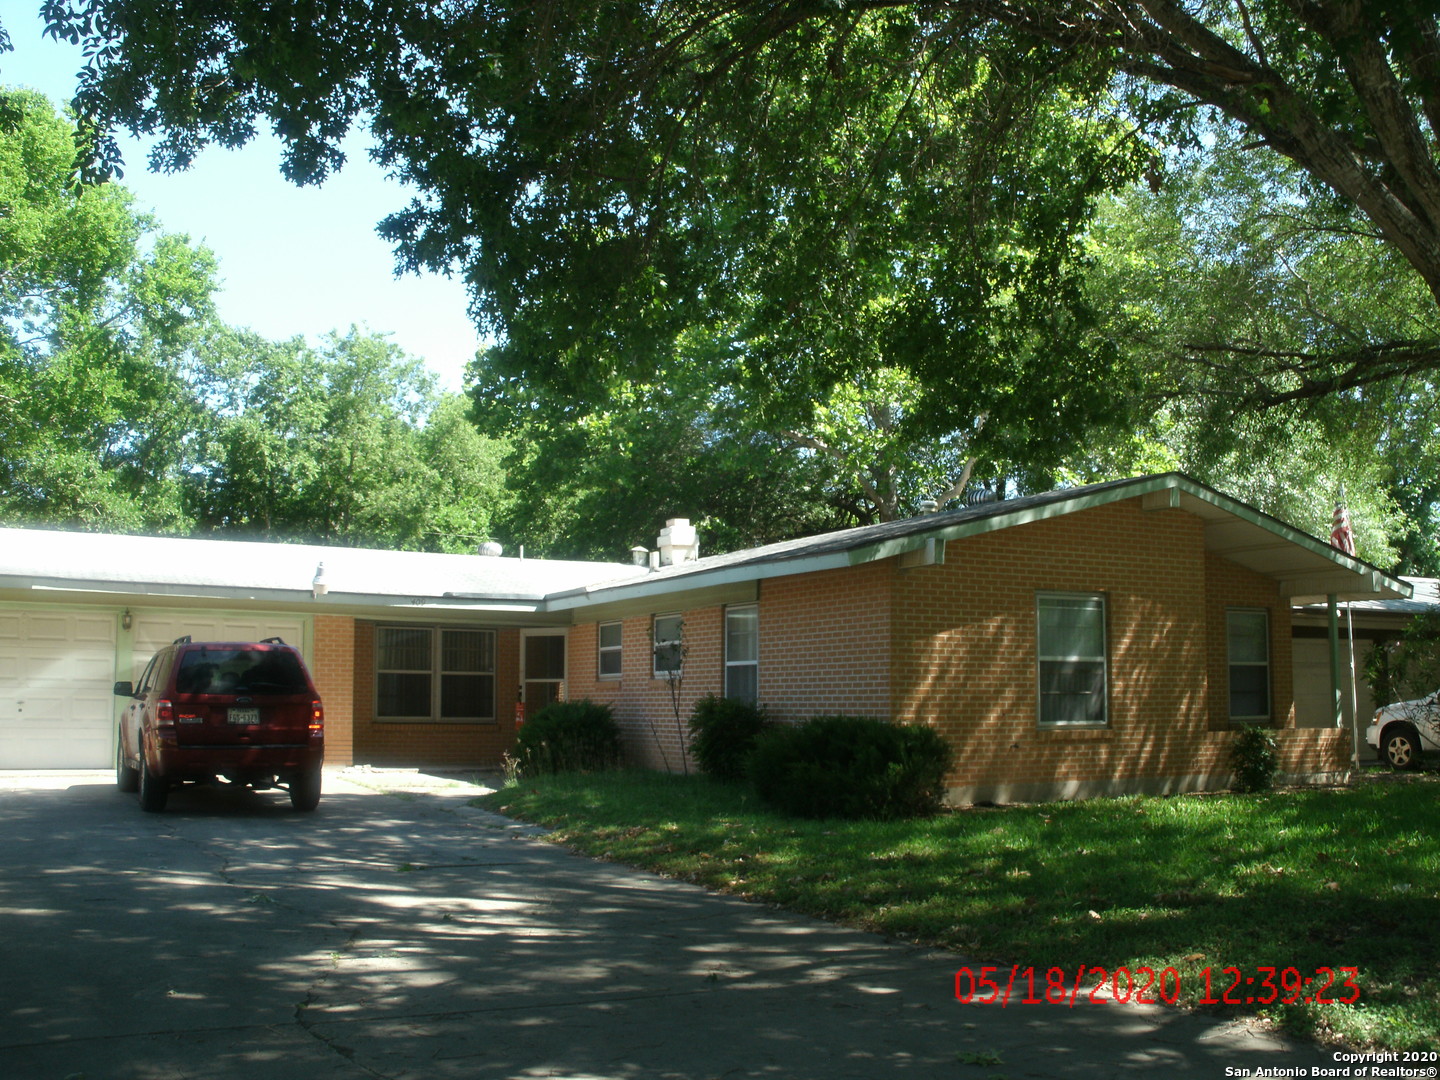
692,582
286,597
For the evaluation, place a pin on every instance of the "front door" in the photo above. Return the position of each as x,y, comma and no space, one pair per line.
542,668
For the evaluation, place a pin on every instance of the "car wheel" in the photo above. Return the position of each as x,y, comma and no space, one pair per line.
126,778
154,791
305,790
1400,746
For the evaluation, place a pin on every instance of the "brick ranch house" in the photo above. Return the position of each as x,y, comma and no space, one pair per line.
1096,640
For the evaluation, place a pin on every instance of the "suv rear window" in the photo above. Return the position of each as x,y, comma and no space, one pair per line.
240,671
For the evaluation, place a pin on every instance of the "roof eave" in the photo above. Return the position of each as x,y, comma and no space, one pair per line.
1332,573
288,597
669,585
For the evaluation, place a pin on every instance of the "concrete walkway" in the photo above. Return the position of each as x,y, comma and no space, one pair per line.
398,933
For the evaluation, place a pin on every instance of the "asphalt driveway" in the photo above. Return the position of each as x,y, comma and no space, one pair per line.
397,933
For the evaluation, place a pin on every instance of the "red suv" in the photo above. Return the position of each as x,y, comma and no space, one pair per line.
246,712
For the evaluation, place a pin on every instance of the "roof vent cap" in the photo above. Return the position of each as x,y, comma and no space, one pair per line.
679,543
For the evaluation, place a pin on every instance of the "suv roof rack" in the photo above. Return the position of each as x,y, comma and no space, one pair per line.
182,640
272,641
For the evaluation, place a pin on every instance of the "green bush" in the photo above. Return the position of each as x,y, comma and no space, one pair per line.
568,736
850,766
723,733
1254,758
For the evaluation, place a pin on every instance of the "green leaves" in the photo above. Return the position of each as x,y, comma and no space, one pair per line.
124,405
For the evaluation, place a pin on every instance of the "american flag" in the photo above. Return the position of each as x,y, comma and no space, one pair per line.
1341,535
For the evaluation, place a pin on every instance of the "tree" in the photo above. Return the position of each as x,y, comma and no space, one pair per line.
592,480
348,443
99,312
859,432
549,137
1216,277
125,405
609,180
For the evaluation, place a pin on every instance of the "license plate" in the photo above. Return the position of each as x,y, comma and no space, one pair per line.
244,716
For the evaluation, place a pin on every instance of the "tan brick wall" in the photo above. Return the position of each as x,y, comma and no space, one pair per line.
334,672
433,745
966,648
825,643
965,656
642,703
950,645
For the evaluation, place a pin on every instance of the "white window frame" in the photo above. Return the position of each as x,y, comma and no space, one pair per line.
616,651
678,642
751,611
1231,664
436,673
1042,658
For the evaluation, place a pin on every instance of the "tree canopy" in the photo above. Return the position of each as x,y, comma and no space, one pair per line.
578,160
126,405
834,233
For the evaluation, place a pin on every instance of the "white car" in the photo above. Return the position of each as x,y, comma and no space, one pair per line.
1402,732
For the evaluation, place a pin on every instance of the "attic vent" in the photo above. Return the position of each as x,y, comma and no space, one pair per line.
490,549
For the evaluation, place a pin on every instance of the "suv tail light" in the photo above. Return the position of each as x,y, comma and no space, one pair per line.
317,718
165,722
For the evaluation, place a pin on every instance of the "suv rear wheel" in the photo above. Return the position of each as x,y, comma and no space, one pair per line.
126,778
305,790
154,791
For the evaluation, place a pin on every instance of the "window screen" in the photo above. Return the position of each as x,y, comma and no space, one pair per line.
1247,638
742,653
1071,651
611,650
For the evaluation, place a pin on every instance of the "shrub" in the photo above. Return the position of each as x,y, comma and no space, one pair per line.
850,766
723,733
1254,759
568,736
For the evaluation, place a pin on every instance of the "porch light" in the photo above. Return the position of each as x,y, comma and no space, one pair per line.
319,586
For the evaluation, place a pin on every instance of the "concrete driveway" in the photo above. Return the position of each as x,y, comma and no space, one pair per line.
397,933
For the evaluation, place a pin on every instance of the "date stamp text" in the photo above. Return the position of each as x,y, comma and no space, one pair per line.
1090,984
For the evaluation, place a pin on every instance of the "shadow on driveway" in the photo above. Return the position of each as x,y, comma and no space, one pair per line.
399,933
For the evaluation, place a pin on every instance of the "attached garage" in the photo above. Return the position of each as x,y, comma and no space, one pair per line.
56,672
80,611
58,667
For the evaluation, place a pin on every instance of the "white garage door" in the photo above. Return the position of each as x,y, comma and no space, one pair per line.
56,675
1314,705
151,630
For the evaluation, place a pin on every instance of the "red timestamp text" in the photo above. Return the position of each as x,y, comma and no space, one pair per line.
1087,983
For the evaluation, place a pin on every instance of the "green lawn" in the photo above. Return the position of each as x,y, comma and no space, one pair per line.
1305,879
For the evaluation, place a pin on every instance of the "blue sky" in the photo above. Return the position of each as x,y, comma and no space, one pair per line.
292,260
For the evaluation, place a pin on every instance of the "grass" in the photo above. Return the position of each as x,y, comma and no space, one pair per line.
1300,879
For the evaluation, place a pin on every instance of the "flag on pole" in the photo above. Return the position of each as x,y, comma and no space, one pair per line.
1341,535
